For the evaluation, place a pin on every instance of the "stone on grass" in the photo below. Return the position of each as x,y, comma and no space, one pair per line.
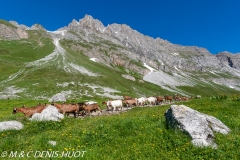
129,77
10,125
54,143
49,114
59,97
199,126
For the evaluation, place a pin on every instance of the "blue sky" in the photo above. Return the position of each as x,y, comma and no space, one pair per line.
211,24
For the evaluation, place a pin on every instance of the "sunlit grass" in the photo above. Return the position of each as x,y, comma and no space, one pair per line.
140,133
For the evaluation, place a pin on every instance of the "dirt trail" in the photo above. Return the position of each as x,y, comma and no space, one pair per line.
106,112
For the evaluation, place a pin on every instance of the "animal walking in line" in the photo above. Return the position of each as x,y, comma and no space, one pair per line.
115,104
67,108
168,98
89,108
28,112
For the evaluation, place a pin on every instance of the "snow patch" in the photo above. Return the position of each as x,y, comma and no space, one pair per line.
94,59
148,67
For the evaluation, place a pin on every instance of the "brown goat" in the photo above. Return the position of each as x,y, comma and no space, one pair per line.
159,99
177,97
168,98
185,98
130,102
127,97
67,108
91,107
28,112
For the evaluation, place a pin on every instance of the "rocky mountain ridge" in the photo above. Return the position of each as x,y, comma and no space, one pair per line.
120,45
12,32
158,53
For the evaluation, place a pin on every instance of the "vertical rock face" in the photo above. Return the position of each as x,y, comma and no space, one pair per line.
21,33
199,126
133,49
12,33
155,52
232,60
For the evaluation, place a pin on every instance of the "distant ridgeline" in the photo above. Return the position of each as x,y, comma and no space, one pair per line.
87,59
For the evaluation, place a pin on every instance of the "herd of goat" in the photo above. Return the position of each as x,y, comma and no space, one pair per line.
85,108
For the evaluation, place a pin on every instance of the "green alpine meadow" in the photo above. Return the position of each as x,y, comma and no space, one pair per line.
140,133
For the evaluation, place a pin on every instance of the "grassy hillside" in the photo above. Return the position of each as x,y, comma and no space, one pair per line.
37,69
42,80
137,134
15,53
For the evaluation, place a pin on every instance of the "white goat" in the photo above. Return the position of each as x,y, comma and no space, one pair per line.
115,104
152,100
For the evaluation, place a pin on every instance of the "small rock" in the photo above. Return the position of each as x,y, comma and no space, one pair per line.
54,143
59,97
129,77
10,125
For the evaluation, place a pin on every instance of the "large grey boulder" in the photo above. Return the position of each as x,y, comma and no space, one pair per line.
59,97
49,114
198,125
10,125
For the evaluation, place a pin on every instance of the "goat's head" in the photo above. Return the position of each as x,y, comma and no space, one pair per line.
14,110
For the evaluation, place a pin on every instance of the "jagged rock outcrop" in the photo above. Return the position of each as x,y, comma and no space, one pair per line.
11,32
158,53
37,27
155,52
132,49
232,60
24,27
199,126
